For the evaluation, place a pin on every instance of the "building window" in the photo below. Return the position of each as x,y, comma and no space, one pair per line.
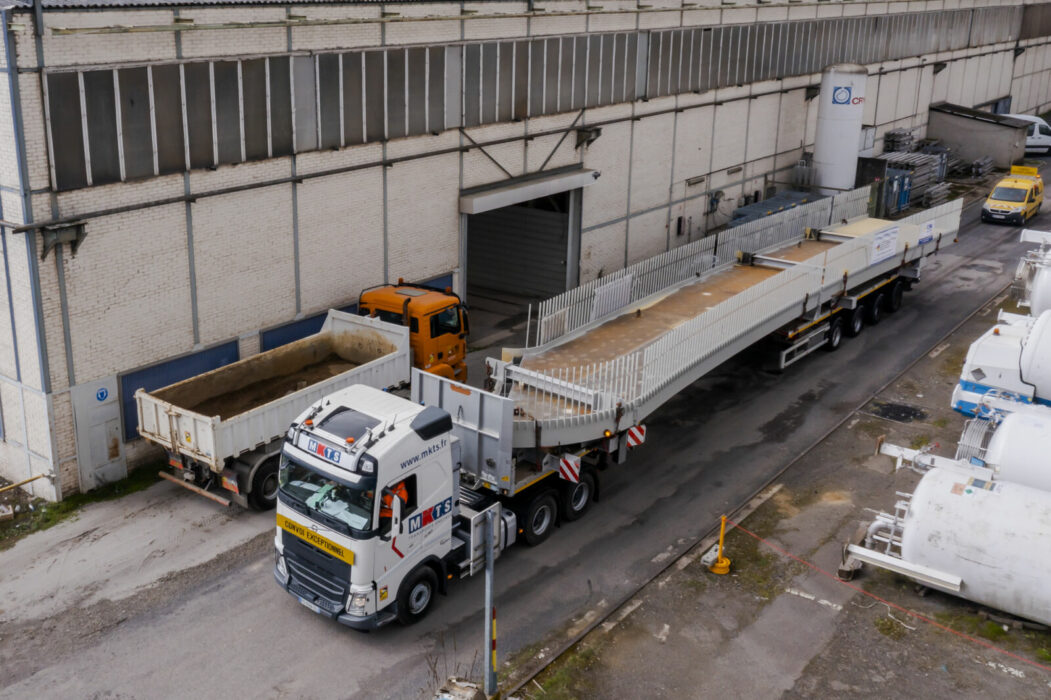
108,125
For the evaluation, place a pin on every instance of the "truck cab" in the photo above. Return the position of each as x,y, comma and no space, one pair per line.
437,322
369,519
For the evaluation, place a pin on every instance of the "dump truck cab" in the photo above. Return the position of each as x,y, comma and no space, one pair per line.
365,507
437,322
1016,198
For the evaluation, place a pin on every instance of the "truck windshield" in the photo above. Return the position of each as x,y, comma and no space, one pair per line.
348,505
1008,194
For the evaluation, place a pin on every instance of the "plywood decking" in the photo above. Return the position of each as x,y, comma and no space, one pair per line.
625,334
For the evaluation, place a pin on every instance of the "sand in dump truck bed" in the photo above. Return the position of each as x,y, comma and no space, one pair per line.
265,391
268,376
629,332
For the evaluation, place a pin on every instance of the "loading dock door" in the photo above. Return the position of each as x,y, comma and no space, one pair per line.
521,249
523,236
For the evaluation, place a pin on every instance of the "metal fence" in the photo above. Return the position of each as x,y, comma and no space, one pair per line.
603,298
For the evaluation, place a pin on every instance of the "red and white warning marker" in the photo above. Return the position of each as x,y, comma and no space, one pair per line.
569,467
636,435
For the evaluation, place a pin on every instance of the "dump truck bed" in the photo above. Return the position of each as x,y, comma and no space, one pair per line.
236,408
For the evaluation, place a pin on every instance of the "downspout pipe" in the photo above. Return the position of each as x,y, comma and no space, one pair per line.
27,203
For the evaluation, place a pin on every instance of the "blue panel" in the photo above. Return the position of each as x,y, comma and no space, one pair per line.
440,282
282,335
165,373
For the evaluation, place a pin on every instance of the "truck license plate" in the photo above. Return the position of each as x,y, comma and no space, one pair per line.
310,605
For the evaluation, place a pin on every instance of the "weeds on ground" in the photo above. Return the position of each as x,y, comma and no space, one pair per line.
43,514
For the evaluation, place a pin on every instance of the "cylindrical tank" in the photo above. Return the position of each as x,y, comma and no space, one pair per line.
993,535
1040,292
1035,361
841,105
1018,449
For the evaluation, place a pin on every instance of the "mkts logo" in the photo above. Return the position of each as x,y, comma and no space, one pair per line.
841,95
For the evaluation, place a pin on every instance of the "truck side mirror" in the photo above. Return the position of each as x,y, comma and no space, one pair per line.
466,322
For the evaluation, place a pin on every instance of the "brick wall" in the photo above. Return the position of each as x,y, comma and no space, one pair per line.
128,289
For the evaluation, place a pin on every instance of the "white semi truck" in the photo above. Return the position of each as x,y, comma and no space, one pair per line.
223,429
383,500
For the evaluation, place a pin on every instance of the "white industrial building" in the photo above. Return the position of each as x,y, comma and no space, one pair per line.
184,184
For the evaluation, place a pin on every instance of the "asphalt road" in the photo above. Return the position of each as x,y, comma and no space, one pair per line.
239,634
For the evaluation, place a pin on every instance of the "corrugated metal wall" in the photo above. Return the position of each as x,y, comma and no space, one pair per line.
164,118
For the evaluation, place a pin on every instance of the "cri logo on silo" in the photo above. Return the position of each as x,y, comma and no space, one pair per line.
842,96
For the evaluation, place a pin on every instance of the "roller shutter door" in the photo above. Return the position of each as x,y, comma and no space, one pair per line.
518,249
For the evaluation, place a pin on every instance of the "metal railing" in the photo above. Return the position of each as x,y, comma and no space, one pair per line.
608,296
572,395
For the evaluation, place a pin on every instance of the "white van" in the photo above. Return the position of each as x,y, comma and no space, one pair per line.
1038,135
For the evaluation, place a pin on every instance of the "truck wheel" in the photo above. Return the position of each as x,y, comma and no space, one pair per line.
576,498
416,595
264,485
895,298
540,518
855,322
834,334
874,309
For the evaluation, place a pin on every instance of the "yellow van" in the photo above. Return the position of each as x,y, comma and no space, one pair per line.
1017,198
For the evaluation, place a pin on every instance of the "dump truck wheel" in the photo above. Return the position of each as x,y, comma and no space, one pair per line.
264,485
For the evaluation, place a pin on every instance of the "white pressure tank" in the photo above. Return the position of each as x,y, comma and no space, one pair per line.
1040,292
992,534
1018,449
841,105
1035,362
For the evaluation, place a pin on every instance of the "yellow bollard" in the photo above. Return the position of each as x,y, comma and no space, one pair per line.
721,565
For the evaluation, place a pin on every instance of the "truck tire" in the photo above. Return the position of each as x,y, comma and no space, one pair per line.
834,334
895,298
874,309
263,495
855,321
577,498
417,595
540,518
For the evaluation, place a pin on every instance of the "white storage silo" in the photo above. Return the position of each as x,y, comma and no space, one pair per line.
841,105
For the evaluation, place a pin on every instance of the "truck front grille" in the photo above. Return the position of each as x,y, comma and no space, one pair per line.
313,586
316,575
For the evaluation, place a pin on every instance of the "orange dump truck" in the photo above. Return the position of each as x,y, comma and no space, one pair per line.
437,322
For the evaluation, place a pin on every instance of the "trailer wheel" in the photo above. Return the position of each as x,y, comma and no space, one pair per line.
577,498
540,517
874,309
896,297
834,334
264,485
416,595
855,322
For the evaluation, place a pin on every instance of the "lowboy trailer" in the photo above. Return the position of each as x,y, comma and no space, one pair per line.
383,500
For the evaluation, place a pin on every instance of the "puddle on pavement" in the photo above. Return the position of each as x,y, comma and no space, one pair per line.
899,412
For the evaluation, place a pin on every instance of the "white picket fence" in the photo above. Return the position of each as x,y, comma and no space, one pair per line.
606,297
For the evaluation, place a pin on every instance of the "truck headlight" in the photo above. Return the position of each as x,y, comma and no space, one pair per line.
282,568
356,604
